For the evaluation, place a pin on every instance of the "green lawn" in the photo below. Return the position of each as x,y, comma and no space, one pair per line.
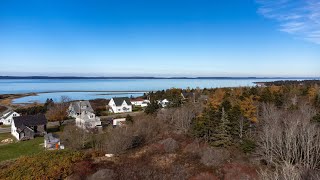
15,150
6,136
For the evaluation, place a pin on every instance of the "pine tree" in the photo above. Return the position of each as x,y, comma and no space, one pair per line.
222,137
152,107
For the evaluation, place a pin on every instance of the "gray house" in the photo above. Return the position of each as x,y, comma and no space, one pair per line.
78,107
28,127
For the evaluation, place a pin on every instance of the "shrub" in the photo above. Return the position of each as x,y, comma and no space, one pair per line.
33,110
118,140
45,165
248,145
75,138
143,130
316,118
83,168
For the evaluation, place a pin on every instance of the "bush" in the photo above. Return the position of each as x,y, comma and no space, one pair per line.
32,110
248,145
45,165
152,108
316,118
83,168
75,138
137,108
118,140
143,130
214,156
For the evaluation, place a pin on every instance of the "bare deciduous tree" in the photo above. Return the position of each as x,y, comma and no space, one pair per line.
58,112
180,118
74,138
290,136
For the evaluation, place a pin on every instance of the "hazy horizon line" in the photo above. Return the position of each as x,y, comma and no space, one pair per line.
151,77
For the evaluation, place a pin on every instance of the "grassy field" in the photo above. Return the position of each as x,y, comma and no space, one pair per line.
6,136
15,150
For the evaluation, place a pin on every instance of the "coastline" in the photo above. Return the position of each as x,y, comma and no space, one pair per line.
7,99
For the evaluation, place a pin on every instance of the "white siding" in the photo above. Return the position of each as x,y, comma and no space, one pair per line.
9,119
119,109
14,131
88,120
118,122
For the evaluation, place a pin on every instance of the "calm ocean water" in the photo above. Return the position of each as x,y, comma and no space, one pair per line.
16,86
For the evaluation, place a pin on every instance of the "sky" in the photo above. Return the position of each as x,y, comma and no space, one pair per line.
160,38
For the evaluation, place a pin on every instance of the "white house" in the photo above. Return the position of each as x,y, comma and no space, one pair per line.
118,122
7,118
140,102
120,105
88,120
76,108
163,103
29,126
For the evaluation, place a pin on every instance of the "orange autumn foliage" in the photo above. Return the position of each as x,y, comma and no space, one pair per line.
248,109
216,98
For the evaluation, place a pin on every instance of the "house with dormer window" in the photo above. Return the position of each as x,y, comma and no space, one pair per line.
84,114
76,108
120,105
7,118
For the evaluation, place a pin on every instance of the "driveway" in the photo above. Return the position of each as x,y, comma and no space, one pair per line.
5,130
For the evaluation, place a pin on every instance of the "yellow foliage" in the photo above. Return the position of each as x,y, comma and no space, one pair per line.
216,98
312,93
45,165
238,92
275,89
248,108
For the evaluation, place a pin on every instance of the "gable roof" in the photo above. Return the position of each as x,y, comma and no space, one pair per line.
5,116
21,122
76,106
119,100
51,138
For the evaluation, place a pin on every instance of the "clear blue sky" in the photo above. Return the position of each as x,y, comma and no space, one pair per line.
160,37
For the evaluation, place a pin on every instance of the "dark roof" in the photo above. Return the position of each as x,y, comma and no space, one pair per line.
51,137
119,100
30,120
8,114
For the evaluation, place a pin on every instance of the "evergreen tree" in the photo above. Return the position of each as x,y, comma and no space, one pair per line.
222,137
203,126
129,118
152,107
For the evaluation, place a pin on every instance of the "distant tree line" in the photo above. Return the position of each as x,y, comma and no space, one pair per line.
292,82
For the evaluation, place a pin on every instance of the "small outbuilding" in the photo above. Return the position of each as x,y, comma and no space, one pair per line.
52,142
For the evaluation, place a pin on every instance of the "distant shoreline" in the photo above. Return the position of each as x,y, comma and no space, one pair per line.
91,91
140,77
